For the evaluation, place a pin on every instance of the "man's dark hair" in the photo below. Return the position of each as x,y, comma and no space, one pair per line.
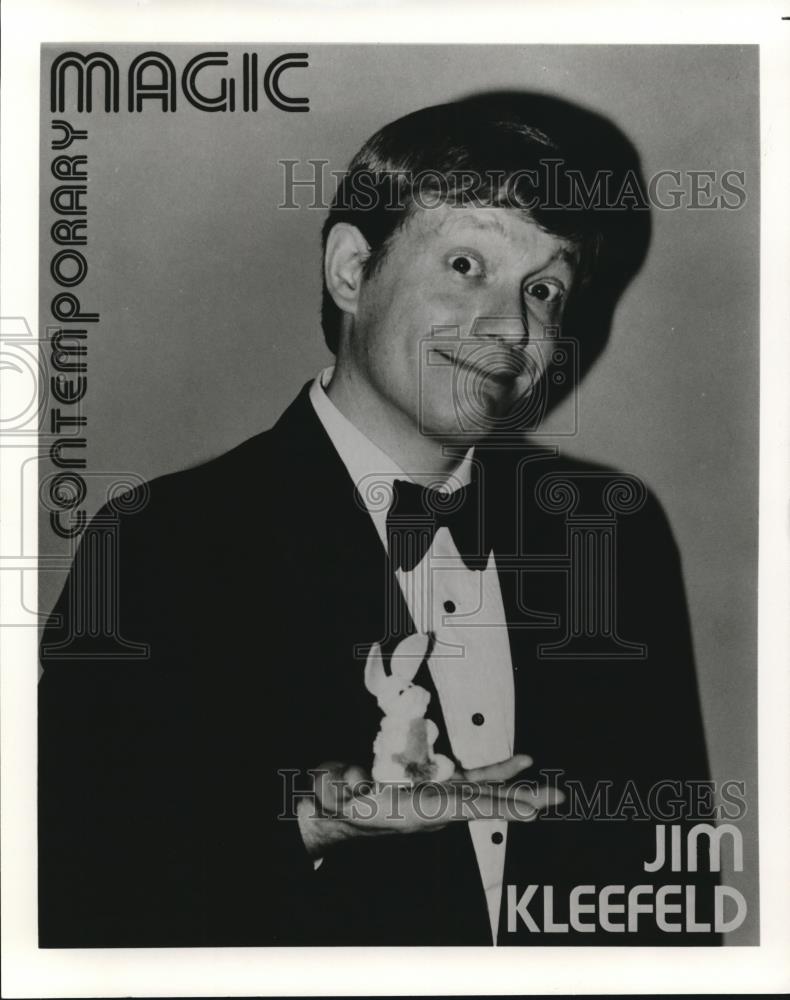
497,150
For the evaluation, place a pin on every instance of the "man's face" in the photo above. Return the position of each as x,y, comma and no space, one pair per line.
442,324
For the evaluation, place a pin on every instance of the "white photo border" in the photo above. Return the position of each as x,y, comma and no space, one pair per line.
30,972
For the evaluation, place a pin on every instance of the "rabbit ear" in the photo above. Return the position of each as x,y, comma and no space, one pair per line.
409,654
375,678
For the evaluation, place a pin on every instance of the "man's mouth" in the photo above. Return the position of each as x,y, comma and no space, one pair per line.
504,369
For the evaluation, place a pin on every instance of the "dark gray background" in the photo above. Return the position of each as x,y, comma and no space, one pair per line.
209,300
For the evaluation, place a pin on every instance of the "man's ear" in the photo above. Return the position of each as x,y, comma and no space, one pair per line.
344,257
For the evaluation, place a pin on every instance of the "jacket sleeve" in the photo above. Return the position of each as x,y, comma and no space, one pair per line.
625,734
158,789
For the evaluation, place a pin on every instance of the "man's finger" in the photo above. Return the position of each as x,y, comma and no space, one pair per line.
503,771
330,785
357,779
514,803
524,804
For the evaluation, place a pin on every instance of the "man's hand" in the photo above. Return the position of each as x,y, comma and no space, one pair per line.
348,804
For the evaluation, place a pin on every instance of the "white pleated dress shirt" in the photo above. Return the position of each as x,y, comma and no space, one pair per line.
470,663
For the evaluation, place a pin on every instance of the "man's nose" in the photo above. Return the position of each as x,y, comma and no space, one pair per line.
504,319
510,331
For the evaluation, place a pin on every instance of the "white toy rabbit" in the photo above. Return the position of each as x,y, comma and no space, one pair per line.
403,748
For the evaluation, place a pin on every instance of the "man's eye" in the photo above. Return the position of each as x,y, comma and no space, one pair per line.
464,264
544,291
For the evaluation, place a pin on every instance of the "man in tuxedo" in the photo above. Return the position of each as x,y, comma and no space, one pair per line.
206,661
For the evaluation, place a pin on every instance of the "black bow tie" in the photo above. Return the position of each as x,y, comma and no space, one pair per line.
417,512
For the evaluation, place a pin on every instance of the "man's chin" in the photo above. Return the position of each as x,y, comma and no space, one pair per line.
469,423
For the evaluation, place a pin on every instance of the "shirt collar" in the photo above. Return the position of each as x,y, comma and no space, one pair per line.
370,468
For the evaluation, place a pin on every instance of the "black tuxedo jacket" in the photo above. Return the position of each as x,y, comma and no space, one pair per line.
216,637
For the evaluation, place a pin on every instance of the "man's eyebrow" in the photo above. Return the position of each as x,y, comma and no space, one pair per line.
564,255
567,255
477,222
